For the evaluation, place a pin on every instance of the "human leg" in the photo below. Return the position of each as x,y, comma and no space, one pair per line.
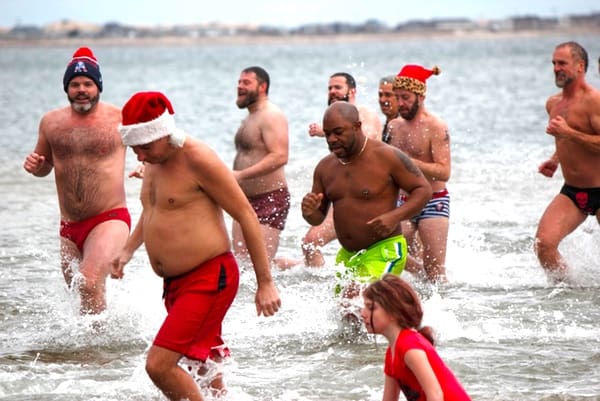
433,233
69,255
560,218
316,238
175,383
102,244
414,263
271,236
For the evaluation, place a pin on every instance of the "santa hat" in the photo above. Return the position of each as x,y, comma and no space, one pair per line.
412,78
147,117
83,63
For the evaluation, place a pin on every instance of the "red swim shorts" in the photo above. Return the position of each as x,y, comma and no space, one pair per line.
196,305
78,231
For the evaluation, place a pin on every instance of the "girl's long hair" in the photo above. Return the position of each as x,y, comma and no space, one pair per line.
398,298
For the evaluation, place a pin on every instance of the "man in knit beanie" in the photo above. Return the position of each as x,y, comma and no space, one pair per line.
83,63
424,138
83,146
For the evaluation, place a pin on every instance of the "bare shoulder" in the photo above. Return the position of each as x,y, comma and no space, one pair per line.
365,112
438,126
392,156
396,124
272,111
109,110
328,163
592,96
198,152
552,100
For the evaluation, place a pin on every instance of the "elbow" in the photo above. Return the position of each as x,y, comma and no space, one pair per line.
282,160
443,174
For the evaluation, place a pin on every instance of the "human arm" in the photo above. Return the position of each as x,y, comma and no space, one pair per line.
549,167
416,360
311,208
134,241
138,172
39,162
391,389
220,185
438,169
275,137
314,204
315,129
410,179
559,128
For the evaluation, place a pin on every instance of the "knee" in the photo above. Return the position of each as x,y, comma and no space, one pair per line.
542,246
312,240
154,369
89,284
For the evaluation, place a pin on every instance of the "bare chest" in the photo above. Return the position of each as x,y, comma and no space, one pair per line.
359,183
93,142
248,136
413,142
574,114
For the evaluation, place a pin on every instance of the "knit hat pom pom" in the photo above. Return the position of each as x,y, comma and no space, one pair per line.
85,52
436,70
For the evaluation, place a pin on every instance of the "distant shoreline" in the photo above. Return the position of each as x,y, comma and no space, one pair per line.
291,39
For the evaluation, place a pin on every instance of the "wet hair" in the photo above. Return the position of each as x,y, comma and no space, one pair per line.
262,76
349,79
578,52
398,299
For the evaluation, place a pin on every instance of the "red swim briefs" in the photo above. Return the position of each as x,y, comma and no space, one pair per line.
196,305
78,231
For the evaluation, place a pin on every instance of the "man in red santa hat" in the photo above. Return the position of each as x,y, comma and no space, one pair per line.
185,189
425,139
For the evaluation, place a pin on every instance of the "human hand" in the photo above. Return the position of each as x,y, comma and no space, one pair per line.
548,168
267,300
34,162
557,127
138,172
311,203
315,129
382,226
118,265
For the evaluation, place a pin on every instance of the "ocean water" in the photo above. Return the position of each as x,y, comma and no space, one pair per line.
503,329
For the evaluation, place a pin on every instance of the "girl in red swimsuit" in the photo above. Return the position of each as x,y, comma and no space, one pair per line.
412,365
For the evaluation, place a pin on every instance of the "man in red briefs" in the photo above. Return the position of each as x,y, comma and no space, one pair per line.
83,146
184,191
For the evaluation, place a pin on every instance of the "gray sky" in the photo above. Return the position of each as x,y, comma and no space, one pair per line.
282,13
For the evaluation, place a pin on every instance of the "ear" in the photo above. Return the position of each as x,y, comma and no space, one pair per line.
263,86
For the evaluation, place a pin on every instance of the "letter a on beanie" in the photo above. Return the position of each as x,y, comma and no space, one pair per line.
83,63
147,117
412,78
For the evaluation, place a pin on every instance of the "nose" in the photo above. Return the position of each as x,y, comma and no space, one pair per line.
139,154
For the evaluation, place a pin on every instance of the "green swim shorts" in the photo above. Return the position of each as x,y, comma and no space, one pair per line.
386,256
